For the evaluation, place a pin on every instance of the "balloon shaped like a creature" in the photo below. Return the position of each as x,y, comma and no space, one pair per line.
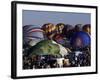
80,39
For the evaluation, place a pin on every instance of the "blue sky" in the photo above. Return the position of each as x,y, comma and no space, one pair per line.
31,17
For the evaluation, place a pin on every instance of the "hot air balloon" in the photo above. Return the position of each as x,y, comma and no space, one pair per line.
32,34
67,31
47,47
77,27
49,30
80,39
59,27
87,28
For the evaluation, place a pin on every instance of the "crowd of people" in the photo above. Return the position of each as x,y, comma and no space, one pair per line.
76,39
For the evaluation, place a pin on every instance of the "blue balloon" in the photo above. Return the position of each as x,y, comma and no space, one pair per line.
80,39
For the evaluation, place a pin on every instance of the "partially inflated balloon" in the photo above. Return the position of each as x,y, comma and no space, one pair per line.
49,30
87,28
80,39
31,32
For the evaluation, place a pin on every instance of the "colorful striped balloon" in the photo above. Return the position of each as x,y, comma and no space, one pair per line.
31,32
